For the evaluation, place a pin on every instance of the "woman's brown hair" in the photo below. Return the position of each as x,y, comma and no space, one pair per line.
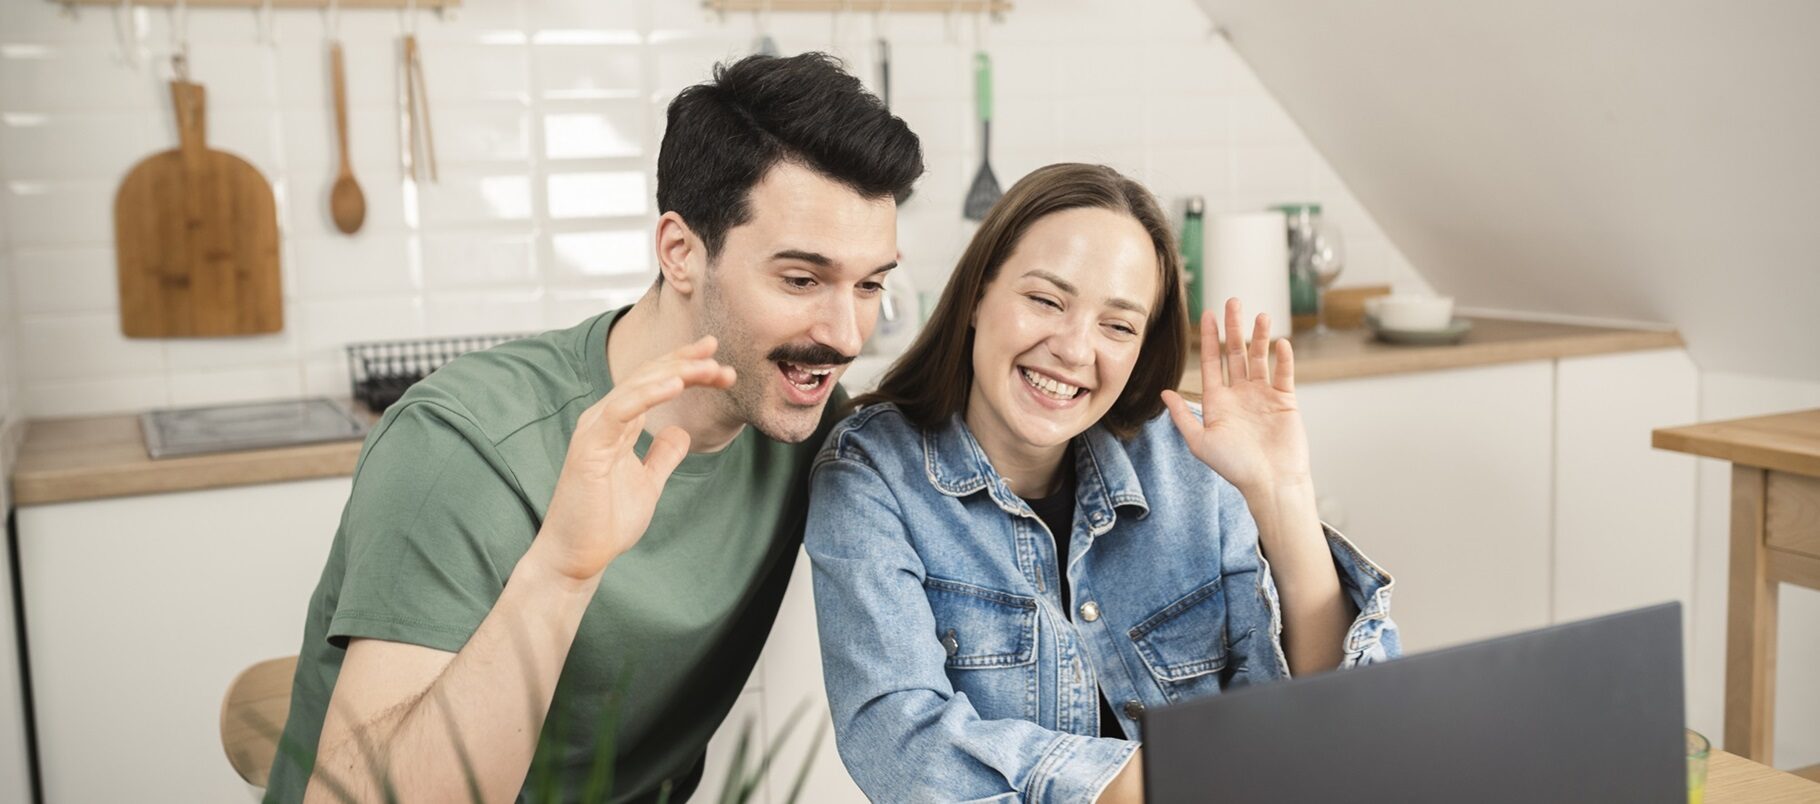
931,381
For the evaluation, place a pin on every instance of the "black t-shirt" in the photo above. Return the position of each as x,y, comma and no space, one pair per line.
1057,512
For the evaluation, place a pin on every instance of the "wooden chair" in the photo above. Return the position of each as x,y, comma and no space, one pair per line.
252,715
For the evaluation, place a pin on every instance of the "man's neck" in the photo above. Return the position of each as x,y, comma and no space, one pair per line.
646,333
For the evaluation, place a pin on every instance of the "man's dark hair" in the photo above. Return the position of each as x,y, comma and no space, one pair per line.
723,136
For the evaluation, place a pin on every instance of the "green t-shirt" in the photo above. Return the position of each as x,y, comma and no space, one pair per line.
452,485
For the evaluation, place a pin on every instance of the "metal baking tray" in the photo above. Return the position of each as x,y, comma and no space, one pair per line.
172,432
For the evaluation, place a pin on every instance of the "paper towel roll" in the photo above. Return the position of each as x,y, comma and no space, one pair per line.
1248,257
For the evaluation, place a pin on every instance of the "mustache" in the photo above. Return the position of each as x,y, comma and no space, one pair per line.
812,354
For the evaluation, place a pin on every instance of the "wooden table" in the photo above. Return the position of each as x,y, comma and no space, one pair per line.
1775,538
1732,779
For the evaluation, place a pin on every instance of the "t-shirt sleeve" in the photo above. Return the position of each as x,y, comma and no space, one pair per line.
433,528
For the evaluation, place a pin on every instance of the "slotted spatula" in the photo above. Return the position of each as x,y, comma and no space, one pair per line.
984,192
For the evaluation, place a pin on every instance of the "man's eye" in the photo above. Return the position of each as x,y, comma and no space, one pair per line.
871,287
799,282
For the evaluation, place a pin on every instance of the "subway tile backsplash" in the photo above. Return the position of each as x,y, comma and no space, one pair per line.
547,116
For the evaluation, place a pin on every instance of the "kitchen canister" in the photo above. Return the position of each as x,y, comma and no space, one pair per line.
1248,257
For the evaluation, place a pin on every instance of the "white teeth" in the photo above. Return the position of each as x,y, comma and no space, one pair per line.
1051,388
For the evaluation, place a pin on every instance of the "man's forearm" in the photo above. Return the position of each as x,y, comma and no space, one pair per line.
1316,613
492,697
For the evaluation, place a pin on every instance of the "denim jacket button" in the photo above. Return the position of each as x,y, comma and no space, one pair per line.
1134,708
951,643
1090,611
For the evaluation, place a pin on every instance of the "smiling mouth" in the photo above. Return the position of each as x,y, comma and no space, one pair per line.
806,378
1050,387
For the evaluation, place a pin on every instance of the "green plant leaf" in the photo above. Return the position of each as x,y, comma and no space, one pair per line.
304,757
731,792
802,773
461,748
751,784
606,735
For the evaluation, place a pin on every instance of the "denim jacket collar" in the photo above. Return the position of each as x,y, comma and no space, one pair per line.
956,465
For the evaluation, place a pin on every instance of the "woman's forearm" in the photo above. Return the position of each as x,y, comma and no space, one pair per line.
1316,613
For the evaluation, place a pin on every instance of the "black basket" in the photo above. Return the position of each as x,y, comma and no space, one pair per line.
381,371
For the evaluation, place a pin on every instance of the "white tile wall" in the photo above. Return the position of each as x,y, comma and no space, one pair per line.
548,114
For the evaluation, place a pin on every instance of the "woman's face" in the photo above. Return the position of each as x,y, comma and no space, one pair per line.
1058,331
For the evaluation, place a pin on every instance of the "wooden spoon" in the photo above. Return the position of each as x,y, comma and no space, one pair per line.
346,203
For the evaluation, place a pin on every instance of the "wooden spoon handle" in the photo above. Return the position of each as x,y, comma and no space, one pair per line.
189,102
341,101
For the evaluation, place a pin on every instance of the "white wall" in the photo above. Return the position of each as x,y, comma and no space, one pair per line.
548,114
1730,396
1650,160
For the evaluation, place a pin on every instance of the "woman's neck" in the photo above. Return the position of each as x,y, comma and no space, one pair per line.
1032,470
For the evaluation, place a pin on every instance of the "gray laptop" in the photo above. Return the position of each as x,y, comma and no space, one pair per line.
1588,711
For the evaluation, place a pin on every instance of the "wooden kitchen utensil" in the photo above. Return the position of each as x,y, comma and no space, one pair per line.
347,205
196,236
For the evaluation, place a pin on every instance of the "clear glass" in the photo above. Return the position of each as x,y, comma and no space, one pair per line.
1327,256
1697,749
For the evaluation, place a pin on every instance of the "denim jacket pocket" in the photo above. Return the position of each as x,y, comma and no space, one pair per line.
1184,644
982,628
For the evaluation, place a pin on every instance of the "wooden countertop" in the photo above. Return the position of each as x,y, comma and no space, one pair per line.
1732,778
64,460
1348,354
1788,442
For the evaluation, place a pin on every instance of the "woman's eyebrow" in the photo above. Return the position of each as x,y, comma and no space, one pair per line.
1069,288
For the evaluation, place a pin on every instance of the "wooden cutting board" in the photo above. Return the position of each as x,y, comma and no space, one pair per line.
196,235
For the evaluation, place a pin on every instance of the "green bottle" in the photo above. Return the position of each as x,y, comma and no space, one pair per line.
1193,257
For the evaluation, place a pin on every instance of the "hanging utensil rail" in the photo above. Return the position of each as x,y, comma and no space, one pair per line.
345,4
863,6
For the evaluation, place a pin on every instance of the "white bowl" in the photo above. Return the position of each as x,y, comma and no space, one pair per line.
1411,313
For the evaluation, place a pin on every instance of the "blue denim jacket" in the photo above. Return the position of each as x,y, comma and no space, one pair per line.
954,669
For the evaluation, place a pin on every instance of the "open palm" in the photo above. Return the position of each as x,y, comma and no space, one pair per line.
1250,431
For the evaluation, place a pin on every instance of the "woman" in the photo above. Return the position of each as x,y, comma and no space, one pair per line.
1016,552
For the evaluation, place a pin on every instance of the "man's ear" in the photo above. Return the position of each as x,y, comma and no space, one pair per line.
681,255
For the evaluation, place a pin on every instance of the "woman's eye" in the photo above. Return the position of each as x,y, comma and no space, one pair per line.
1123,329
1046,302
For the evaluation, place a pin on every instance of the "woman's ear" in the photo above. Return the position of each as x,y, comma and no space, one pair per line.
680,253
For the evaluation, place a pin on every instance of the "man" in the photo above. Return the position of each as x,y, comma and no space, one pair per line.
519,546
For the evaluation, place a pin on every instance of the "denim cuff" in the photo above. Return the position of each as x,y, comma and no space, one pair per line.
1076,768
1372,636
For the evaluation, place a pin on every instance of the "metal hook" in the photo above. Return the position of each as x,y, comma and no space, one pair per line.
126,33
180,40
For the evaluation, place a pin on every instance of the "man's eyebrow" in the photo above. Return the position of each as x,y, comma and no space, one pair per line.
810,257
1069,288
883,268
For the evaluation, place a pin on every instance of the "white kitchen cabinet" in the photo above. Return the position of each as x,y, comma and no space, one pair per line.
141,610
1444,479
15,776
1624,512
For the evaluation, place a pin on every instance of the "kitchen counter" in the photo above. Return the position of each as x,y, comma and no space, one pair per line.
1354,353
66,460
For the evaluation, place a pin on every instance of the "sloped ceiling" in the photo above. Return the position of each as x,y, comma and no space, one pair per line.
1654,160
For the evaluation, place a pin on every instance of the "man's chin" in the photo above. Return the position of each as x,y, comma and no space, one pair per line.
792,426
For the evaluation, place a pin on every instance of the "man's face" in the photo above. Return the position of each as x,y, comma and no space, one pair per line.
794,293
